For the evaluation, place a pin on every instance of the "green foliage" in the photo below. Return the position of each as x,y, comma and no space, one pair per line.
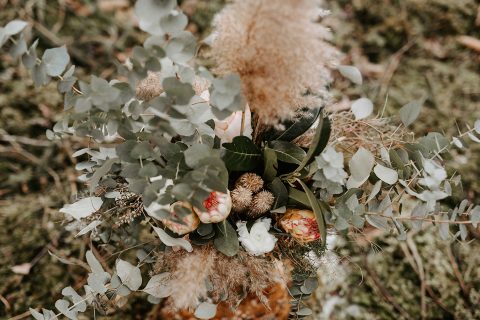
241,154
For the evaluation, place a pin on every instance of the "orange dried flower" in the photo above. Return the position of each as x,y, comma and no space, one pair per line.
301,224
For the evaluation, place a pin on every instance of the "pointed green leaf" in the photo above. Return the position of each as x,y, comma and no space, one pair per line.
320,141
287,151
317,210
241,154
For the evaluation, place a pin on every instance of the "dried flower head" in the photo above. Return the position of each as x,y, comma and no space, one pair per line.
150,87
300,224
261,203
241,198
189,223
217,207
280,52
251,181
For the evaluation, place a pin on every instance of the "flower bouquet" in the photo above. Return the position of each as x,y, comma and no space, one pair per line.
211,184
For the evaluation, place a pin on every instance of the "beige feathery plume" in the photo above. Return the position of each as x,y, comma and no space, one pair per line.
280,52
189,279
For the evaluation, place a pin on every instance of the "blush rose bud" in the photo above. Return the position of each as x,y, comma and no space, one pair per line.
217,207
190,221
300,224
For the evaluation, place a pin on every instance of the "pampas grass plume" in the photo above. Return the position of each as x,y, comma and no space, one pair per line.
280,52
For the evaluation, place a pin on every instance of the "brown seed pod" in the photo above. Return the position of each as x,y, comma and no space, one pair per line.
241,198
261,203
251,181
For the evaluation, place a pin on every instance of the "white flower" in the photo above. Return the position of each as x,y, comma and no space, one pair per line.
331,162
229,128
258,241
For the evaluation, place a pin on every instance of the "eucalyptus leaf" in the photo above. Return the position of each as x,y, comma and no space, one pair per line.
173,22
362,108
149,13
476,126
101,172
79,304
14,27
129,274
171,242
410,112
378,222
181,47
55,60
159,285
385,174
93,262
206,310
375,190
180,92
361,165
63,305
226,239
82,208
351,73
39,75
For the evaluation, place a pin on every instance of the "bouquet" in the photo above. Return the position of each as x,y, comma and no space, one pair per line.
213,181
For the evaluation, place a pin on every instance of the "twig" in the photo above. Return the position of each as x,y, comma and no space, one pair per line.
4,136
392,67
456,271
79,56
21,316
419,219
429,290
421,275
386,295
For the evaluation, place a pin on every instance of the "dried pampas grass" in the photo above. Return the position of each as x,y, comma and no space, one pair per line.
230,278
280,52
190,276
349,134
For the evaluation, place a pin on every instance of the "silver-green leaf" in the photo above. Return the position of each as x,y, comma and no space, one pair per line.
410,112
129,274
56,60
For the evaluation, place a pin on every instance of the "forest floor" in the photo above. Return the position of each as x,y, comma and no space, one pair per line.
407,50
